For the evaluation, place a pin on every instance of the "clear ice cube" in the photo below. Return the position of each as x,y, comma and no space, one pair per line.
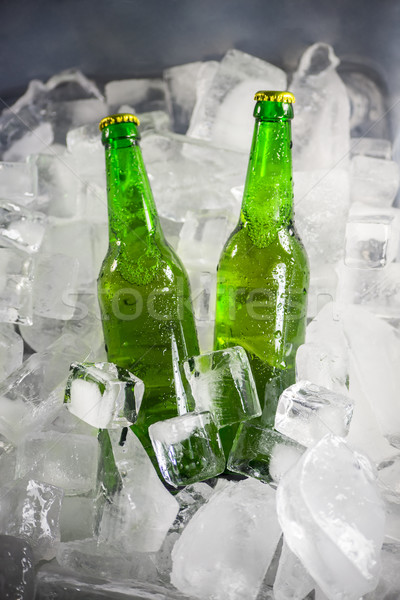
372,241
222,383
226,548
18,182
67,461
188,448
181,92
21,228
142,94
103,395
332,517
374,180
11,350
262,453
306,412
55,286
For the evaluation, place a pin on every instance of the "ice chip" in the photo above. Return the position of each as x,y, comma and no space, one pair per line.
333,517
67,461
188,448
226,548
30,510
306,412
103,395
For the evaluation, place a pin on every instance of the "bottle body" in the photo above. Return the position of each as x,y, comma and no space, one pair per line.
263,274
143,288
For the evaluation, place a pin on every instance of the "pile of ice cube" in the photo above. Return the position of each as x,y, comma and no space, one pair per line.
82,512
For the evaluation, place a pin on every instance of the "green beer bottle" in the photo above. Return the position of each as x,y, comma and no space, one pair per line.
143,288
263,273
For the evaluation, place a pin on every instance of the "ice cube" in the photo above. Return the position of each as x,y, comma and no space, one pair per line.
324,366
33,141
227,546
31,393
11,350
189,175
322,200
58,240
21,228
190,499
181,92
142,94
222,383
58,184
389,478
374,347
262,453
16,273
30,510
332,517
103,395
71,114
55,286
231,92
370,146
292,582
91,558
374,290
42,332
143,511
306,412
321,127
374,180
78,518
68,461
17,573
372,241
18,182
188,448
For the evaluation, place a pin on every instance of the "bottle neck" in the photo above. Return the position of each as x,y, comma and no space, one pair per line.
267,203
131,207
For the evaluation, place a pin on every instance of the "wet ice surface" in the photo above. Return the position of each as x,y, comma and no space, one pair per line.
79,490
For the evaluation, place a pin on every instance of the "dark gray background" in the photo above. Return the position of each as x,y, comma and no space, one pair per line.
110,39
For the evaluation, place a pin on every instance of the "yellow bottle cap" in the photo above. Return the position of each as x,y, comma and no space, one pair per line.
118,118
274,96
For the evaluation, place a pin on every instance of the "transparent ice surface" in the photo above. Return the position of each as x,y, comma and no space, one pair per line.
78,517
103,395
372,241
142,94
222,383
227,546
21,228
306,412
292,582
323,365
11,350
30,510
181,92
68,461
369,146
55,286
333,517
389,582
188,448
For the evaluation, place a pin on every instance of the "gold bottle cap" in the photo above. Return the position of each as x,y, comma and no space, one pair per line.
118,118
274,96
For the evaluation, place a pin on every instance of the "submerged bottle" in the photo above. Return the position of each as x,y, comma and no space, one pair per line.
263,273
143,288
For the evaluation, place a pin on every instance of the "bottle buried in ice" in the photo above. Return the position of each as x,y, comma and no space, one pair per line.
263,272
143,288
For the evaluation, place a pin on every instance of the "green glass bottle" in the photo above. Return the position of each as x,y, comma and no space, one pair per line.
263,272
143,288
